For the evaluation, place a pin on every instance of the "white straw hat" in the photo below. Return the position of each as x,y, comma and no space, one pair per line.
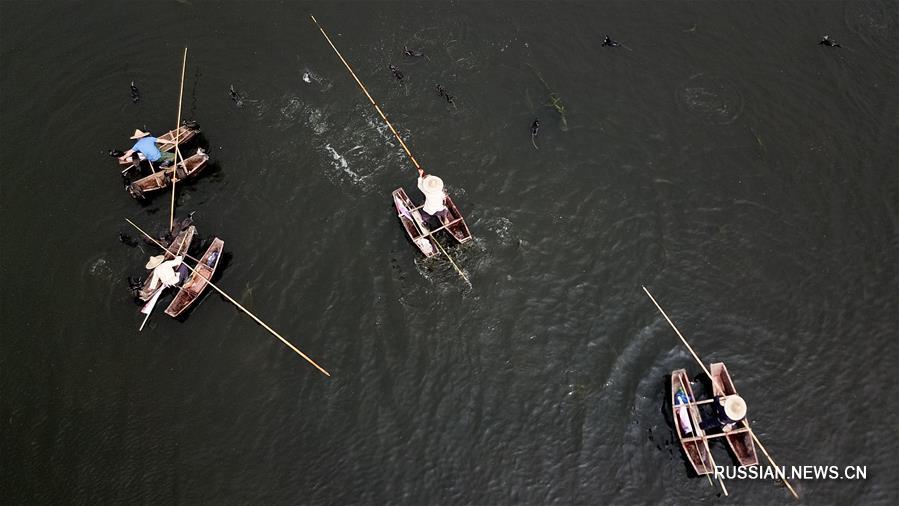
735,408
155,261
432,184
138,133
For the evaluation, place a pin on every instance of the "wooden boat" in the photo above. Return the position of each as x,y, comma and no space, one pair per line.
693,440
740,438
187,168
188,130
420,232
196,283
178,247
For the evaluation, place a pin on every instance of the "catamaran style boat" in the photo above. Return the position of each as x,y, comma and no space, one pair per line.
420,232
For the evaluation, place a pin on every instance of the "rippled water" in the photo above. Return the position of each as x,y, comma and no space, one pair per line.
721,157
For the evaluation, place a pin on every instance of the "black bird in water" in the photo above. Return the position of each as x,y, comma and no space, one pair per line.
412,52
235,96
443,93
396,73
535,128
183,223
827,41
127,240
135,284
178,226
115,153
135,93
608,41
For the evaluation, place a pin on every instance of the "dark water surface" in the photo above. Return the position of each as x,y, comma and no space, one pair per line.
743,173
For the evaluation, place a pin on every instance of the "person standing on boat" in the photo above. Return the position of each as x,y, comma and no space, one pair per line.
434,206
729,411
146,144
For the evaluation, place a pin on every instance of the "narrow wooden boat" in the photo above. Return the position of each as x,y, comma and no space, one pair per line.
196,283
187,169
184,133
178,247
420,232
188,130
740,438
686,423
413,222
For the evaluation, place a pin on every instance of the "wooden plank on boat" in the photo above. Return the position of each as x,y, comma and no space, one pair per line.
196,283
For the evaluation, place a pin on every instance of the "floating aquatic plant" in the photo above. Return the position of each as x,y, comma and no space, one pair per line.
555,101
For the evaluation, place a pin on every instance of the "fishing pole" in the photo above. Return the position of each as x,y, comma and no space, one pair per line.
421,172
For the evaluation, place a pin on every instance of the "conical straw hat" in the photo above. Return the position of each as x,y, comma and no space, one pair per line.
155,261
432,184
735,408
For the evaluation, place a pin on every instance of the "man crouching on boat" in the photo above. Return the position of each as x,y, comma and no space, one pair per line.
164,272
729,411
146,144
436,213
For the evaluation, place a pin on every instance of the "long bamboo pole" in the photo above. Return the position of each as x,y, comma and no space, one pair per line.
421,172
768,456
448,257
745,423
245,310
177,140
695,356
708,452
152,303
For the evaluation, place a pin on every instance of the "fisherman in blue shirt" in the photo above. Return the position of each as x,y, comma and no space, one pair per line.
146,144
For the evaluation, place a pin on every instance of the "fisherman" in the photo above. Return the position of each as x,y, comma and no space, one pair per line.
729,411
434,207
163,271
146,144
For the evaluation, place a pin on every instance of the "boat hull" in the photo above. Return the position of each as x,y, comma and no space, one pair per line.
739,439
188,130
420,232
193,287
693,442
187,169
